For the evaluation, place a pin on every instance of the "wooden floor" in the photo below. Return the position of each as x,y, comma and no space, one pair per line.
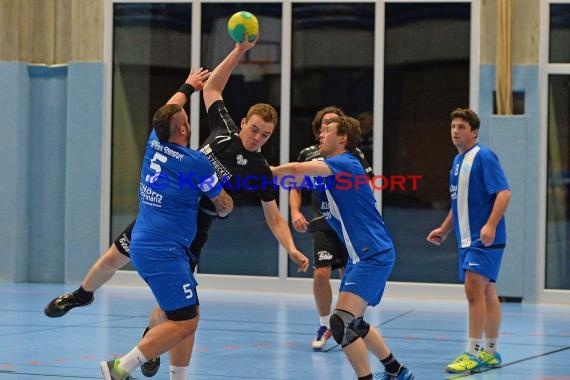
265,336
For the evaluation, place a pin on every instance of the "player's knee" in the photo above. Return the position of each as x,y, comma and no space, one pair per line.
157,316
342,327
110,262
322,274
361,327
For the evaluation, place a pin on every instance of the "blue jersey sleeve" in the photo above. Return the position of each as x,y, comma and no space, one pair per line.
493,175
345,166
337,164
207,179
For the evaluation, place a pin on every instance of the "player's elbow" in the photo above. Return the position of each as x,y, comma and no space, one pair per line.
506,195
295,169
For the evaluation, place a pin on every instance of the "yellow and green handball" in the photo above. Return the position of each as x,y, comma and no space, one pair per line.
242,23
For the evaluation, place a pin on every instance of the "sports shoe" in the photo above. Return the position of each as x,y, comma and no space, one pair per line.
150,368
323,334
59,306
405,374
111,371
466,362
490,361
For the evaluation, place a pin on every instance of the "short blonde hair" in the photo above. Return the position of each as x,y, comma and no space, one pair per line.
263,110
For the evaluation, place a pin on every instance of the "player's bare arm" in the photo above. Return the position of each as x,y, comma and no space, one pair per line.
282,233
223,203
487,233
196,79
300,170
439,235
298,220
219,77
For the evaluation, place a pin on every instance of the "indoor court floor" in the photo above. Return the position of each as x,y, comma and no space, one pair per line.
266,336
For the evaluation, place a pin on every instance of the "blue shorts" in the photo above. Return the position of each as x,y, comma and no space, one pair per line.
367,278
485,261
166,270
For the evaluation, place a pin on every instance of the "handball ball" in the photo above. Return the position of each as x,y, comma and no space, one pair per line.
243,23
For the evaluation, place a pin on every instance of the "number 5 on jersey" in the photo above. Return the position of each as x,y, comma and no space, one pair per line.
156,167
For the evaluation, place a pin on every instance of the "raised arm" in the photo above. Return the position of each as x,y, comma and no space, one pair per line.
282,233
194,82
219,77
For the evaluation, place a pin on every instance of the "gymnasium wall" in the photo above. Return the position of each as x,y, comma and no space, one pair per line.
51,70
51,100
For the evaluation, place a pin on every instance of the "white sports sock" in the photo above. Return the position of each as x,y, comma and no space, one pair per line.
491,345
325,320
132,360
473,346
178,373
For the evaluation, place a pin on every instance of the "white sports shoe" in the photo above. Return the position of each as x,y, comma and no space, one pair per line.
320,341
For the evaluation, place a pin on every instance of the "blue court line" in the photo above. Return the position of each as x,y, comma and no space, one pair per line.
42,375
90,324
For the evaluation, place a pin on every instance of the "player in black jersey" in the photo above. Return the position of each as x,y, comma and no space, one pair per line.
235,154
329,252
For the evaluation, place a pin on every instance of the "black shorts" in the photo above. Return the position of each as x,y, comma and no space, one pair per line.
328,250
123,241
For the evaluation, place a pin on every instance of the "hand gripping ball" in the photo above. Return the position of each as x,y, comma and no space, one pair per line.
242,23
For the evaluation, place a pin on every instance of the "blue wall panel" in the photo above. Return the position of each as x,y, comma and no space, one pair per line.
14,108
51,159
83,168
48,105
515,139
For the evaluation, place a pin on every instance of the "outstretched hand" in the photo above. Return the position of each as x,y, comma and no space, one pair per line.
197,77
246,44
299,259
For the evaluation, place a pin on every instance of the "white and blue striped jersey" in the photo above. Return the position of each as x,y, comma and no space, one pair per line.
475,179
173,178
350,208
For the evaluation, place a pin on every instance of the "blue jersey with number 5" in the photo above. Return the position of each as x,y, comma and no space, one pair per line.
172,181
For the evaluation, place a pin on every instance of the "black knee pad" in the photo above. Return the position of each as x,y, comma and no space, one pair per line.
361,327
342,327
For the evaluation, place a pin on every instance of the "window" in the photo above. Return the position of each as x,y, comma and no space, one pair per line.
332,64
426,76
243,244
151,58
558,157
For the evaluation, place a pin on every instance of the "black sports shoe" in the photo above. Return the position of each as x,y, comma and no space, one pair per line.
59,306
150,368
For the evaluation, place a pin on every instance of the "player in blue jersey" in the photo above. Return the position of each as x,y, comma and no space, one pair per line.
173,179
329,252
479,198
348,204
